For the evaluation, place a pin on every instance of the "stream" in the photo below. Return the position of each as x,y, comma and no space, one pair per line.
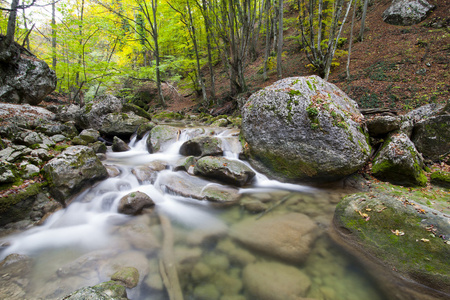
88,241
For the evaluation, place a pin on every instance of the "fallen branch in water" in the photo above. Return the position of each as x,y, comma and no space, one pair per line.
167,263
284,199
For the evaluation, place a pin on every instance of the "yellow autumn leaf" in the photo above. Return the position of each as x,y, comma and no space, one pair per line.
425,240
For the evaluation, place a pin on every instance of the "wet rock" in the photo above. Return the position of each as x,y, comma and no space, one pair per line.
85,263
110,290
119,145
394,233
143,129
134,203
186,164
201,272
15,271
113,171
275,281
75,168
380,125
26,80
129,107
128,276
223,122
135,259
407,12
140,236
220,194
202,146
161,137
235,254
254,205
399,162
288,237
149,172
206,292
304,128
230,171
99,147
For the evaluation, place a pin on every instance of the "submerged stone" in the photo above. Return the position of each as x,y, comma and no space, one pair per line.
230,171
128,276
110,290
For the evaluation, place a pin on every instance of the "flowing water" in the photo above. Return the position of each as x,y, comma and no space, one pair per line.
85,243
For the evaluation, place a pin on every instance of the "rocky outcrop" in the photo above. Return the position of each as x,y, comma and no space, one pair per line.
74,169
287,237
119,145
134,203
26,79
407,12
380,125
304,128
201,146
410,241
221,168
399,162
121,124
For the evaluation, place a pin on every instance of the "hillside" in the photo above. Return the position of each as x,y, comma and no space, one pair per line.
397,67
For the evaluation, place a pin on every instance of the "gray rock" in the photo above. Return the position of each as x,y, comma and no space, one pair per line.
69,113
94,116
14,153
29,170
230,171
161,137
121,124
57,138
431,136
143,129
99,147
74,169
380,125
304,128
7,172
186,164
42,154
26,80
399,162
119,145
202,146
149,172
288,237
407,12
89,135
134,203
275,281
110,290
220,123
68,129
418,114
185,185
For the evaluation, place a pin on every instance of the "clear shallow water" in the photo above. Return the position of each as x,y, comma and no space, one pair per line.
88,241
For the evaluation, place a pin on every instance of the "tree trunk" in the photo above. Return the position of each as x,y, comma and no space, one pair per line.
268,34
280,39
351,42
363,21
208,45
54,36
11,29
155,40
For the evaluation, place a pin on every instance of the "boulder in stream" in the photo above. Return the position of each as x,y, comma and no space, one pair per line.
202,146
287,237
221,168
121,124
275,281
304,128
161,137
134,203
119,145
110,290
127,276
74,169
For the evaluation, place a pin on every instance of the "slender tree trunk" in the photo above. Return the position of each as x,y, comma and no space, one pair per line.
268,34
194,41
351,42
11,29
363,21
54,36
155,40
208,45
280,39
26,41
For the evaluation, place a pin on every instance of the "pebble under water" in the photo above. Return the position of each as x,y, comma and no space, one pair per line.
221,251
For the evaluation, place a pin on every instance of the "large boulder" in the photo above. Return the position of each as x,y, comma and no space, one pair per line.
26,79
74,169
275,281
121,124
221,168
405,243
23,116
304,128
399,162
379,125
407,12
288,237
432,135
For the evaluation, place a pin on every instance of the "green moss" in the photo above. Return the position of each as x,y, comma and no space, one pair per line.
88,107
294,93
440,178
312,111
290,168
60,147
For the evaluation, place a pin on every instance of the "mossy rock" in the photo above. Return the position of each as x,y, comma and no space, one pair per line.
128,276
168,115
440,178
127,107
110,290
161,137
143,129
202,146
398,234
16,206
